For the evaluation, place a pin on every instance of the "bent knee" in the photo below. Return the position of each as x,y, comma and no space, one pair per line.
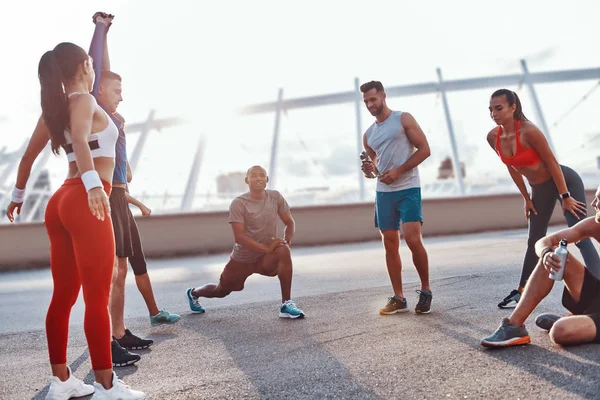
564,333
283,251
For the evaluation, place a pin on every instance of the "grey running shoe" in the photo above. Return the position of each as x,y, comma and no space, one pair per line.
507,335
511,300
546,320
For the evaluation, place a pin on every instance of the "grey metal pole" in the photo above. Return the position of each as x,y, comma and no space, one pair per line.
139,147
13,162
359,133
455,159
273,163
190,188
536,104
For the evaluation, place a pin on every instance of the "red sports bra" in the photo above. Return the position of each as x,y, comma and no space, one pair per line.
523,157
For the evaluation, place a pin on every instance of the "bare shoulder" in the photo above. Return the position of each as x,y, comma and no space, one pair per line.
492,135
82,98
84,102
407,119
528,129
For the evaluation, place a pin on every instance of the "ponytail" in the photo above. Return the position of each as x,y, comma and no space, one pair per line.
56,68
55,109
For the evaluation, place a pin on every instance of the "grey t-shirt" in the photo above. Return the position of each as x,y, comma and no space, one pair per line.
260,219
392,148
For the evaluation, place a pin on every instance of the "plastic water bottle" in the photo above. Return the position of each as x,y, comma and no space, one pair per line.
562,253
364,157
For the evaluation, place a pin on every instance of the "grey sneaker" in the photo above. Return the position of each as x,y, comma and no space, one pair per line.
507,335
546,321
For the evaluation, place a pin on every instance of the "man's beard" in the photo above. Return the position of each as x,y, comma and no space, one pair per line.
378,111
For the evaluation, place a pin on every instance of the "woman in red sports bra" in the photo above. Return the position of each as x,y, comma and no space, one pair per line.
526,153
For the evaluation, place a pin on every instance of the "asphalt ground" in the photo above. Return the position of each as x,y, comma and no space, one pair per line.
343,349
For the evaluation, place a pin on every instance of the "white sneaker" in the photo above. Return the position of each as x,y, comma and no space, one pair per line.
72,387
119,391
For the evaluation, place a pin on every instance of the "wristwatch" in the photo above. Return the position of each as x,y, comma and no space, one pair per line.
565,195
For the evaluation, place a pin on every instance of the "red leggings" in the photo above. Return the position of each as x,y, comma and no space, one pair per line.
82,251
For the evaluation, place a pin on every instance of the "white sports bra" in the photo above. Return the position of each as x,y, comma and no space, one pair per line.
102,144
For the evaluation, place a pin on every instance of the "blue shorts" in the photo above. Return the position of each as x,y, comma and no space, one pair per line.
393,207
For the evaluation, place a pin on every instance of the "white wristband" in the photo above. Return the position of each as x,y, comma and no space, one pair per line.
91,180
18,195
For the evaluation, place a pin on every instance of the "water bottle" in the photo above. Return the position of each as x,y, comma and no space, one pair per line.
562,253
364,157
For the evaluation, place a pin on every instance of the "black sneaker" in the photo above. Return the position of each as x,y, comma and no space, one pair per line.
546,321
132,342
511,300
424,304
121,357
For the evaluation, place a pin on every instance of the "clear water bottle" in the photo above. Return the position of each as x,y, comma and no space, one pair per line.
562,253
364,157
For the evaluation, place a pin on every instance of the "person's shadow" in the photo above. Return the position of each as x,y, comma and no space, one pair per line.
578,377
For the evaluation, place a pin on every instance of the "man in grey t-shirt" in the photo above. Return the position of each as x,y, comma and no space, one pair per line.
253,217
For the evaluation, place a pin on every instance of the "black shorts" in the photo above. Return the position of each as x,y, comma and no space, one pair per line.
589,303
127,236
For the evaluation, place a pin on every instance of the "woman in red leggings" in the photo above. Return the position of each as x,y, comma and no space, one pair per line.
78,221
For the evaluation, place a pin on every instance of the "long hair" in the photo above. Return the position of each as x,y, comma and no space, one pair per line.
512,98
56,67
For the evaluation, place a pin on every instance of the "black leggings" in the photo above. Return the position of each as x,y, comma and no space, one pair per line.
544,196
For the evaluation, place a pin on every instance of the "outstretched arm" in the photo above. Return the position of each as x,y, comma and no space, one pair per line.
98,48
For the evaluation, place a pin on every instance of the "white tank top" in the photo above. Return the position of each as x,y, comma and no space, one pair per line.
102,144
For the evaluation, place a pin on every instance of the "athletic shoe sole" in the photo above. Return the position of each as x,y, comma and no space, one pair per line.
422,312
138,347
403,310
165,322
125,364
286,315
506,343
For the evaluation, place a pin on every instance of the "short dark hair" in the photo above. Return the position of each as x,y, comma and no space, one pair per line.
106,74
365,87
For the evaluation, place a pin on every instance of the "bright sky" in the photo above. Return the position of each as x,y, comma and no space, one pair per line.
201,60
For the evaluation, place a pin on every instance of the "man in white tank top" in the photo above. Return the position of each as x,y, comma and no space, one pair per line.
397,145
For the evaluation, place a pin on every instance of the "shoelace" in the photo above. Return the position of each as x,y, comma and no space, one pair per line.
290,304
422,297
